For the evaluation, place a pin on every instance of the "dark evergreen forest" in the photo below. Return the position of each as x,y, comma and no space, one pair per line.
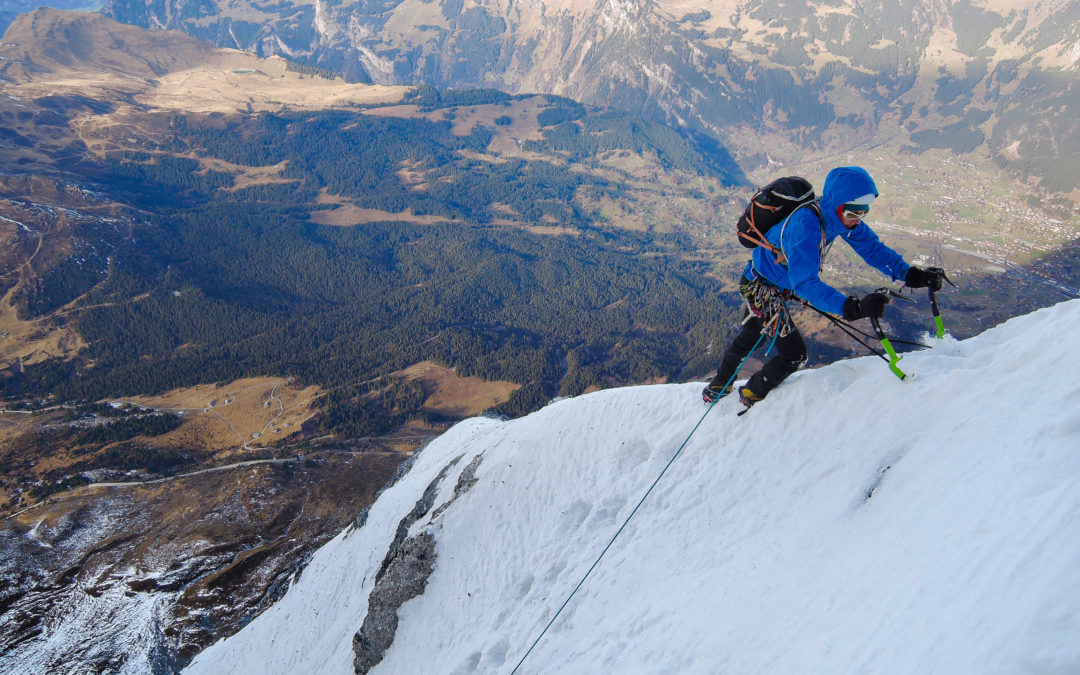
221,284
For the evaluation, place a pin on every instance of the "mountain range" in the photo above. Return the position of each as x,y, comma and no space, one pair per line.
773,80
13,8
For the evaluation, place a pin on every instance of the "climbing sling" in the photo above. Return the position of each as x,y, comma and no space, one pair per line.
768,303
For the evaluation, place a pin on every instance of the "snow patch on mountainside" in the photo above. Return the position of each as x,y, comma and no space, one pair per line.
851,523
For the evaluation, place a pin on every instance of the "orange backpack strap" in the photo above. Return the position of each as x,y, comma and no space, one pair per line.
760,239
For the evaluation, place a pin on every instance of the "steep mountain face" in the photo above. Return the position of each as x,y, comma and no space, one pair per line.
824,77
173,210
850,523
138,579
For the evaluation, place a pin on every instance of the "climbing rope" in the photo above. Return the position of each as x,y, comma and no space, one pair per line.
769,304
638,506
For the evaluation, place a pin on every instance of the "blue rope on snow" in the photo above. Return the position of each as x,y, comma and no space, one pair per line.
640,502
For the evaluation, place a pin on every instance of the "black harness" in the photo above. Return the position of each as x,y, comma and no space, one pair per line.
768,303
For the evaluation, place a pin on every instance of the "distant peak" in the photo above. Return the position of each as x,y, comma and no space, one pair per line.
51,40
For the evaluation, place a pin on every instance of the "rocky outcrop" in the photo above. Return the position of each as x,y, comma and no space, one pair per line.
142,578
404,577
404,571
465,481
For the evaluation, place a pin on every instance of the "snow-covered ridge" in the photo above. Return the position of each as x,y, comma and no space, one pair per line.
852,523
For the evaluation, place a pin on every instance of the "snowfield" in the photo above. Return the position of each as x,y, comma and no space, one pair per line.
851,523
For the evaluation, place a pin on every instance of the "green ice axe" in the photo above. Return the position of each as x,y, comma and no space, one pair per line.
894,358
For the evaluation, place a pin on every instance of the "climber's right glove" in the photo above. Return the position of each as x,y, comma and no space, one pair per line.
872,305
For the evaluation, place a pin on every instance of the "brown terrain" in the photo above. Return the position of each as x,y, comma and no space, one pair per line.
250,487
134,68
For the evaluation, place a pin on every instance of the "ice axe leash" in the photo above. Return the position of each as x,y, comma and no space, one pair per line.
854,333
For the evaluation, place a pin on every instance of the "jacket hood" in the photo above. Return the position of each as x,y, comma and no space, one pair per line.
846,184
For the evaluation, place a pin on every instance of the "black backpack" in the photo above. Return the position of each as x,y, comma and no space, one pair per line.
770,205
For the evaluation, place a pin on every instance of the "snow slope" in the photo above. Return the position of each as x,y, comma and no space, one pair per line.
852,523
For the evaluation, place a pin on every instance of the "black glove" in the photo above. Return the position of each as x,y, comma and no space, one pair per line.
920,278
872,305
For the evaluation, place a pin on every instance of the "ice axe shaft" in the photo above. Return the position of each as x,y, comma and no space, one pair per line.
894,358
938,322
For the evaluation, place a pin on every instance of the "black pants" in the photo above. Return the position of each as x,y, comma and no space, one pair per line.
790,354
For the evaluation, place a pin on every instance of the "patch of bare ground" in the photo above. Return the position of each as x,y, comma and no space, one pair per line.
406,111
247,176
13,423
552,230
228,419
173,72
450,394
412,174
521,113
25,343
348,215
217,87
326,197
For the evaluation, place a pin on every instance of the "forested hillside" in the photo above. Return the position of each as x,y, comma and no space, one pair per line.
280,306
227,282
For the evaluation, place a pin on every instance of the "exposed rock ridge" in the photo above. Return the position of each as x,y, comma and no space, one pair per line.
466,480
422,507
405,570
406,574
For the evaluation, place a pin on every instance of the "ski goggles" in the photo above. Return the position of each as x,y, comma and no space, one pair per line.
855,211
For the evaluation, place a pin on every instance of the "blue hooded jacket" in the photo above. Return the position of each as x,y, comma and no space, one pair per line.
801,239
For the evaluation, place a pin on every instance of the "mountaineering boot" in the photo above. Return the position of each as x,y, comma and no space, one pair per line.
709,394
748,397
